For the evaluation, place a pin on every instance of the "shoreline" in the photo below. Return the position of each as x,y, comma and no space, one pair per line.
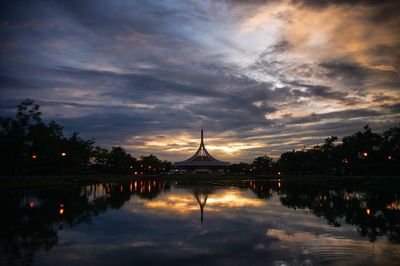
30,182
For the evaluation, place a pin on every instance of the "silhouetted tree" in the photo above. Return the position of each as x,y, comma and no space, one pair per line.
239,168
99,158
32,147
262,165
119,161
363,153
15,137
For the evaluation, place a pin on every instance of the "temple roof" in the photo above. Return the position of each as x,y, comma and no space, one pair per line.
202,157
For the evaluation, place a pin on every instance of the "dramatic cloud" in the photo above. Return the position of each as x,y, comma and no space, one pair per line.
262,77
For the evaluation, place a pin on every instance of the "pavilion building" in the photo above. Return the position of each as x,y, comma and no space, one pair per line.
202,161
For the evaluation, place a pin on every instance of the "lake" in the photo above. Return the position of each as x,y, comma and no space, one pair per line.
153,222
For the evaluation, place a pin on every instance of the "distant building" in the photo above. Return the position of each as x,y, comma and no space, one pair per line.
202,161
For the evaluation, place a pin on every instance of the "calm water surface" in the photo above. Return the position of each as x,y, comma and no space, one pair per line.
219,223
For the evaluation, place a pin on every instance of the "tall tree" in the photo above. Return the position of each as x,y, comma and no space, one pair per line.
262,164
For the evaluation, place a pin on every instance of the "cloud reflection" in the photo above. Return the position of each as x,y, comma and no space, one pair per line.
223,200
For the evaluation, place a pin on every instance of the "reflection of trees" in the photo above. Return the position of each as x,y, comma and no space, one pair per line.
261,189
32,219
375,213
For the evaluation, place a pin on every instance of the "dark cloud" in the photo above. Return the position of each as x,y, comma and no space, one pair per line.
324,3
345,70
348,114
317,91
277,48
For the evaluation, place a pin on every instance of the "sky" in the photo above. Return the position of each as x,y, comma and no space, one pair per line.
261,77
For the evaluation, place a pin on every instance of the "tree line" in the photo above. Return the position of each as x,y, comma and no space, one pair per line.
363,153
30,146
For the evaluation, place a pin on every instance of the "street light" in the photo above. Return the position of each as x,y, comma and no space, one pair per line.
34,156
61,210
63,154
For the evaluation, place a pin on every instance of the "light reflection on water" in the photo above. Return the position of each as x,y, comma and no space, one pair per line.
199,223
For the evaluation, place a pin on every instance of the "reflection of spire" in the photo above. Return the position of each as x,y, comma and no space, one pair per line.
201,197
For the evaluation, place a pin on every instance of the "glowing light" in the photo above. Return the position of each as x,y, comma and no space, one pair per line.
233,148
135,173
63,154
130,187
61,211
368,211
135,185
31,205
279,184
121,188
34,156
346,161
279,173
365,154
394,206
389,157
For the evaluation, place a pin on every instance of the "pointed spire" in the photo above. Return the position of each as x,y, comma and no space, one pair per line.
202,155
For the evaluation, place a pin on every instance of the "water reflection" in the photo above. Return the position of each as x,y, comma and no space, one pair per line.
374,213
201,196
35,218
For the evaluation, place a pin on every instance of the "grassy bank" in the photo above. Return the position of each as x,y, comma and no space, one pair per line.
52,181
